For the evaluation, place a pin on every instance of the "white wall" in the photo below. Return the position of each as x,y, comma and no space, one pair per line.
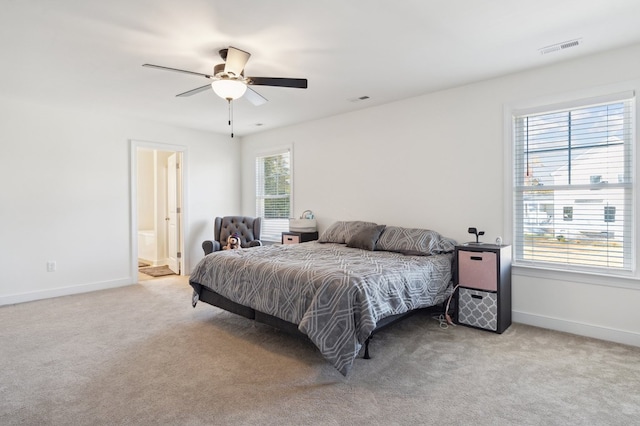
437,161
66,196
146,190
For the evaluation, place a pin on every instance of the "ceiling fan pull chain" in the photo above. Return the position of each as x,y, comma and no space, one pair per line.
230,115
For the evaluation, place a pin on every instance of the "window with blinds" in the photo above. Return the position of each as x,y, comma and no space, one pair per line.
574,186
273,194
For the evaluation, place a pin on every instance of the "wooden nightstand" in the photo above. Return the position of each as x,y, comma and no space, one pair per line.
298,237
484,280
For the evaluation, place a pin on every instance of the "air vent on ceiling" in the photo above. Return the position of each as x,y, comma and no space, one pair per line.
358,99
560,46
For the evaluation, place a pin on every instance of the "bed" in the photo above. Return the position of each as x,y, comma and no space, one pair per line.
337,291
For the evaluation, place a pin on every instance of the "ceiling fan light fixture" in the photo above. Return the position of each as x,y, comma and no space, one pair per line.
229,89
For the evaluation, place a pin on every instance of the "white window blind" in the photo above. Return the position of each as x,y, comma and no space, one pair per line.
574,187
273,194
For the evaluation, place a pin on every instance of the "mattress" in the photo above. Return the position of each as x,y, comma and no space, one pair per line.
335,294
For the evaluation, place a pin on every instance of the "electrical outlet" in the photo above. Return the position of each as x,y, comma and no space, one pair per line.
51,266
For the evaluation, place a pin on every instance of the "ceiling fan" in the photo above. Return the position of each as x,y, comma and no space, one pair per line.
229,81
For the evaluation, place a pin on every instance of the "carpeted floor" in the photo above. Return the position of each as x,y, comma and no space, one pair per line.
142,355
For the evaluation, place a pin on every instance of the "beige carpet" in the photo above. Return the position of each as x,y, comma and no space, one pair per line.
143,355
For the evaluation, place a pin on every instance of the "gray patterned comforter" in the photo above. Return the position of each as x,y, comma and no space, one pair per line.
335,294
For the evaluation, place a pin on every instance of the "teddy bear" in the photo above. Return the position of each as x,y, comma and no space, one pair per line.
233,242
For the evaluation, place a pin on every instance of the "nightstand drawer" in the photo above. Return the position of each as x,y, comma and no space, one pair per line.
478,308
290,239
478,269
298,237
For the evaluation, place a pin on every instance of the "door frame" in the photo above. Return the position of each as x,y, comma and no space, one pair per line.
133,192
173,212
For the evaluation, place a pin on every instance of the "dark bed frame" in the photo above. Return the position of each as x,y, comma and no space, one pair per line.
211,297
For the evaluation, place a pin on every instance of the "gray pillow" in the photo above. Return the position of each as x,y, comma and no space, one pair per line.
340,232
414,241
367,238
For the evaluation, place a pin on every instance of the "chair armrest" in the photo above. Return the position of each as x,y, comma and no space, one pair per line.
254,243
209,246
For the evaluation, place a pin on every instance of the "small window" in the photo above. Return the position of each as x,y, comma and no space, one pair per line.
273,194
609,214
567,214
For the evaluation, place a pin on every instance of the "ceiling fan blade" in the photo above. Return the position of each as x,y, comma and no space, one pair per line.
296,83
236,60
194,91
160,67
254,97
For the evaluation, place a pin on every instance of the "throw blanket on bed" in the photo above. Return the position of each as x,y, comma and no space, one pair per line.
335,294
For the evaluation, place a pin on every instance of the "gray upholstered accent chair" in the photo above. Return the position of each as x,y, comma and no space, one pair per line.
247,227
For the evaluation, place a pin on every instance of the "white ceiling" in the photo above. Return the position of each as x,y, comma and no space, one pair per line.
88,53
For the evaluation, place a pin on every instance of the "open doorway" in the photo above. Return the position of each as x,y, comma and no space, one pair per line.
157,209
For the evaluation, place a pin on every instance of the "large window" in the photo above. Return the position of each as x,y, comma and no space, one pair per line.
273,193
574,186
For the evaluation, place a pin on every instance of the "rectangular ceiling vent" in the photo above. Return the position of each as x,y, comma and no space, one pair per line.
361,98
560,46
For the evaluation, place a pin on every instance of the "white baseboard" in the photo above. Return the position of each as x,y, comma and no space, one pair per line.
581,329
153,262
63,291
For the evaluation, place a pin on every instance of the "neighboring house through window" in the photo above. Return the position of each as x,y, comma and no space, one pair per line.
273,193
574,186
